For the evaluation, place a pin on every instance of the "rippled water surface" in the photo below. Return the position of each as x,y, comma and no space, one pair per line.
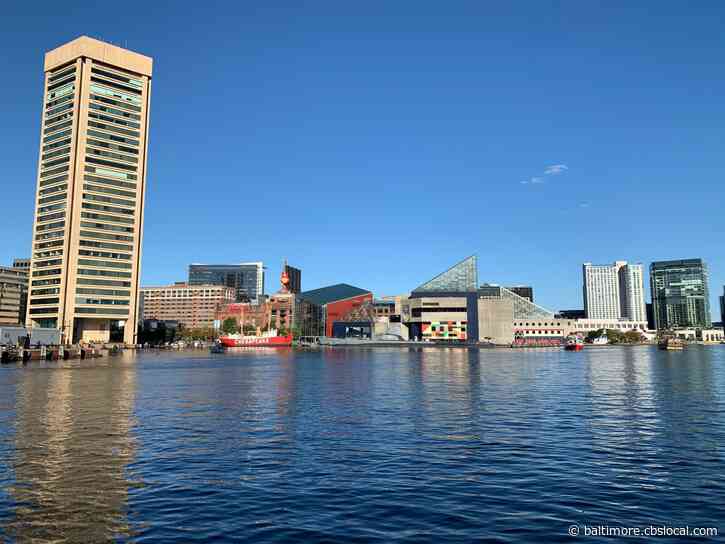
433,445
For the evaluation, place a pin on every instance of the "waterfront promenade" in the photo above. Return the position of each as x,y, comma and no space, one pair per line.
384,445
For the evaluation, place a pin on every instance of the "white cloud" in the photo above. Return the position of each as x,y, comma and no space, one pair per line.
525,182
537,180
555,169
584,204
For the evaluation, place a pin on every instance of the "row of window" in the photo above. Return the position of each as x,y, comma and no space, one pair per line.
101,301
50,235
106,292
105,245
103,235
50,226
104,254
103,226
111,155
53,189
104,264
53,281
107,273
113,164
44,245
109,191
51,217
54,172
134,83
44,301
115,147
112,128
110,200
111,209
106,283
112,137
114,111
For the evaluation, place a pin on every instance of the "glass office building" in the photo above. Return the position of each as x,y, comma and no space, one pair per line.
246,278
680,294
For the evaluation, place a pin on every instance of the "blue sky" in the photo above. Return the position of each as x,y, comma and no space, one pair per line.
377,143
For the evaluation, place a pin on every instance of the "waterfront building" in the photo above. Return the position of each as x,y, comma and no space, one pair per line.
705,336
601,291
194,306
295,278
680,294
14,292
247,279
722,308
524,291
443,308
506,318
91,183
614,291
572,314
631,292
384,308
622,325
334,303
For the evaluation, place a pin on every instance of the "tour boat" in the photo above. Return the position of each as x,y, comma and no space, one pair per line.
574,343
268,339
672,344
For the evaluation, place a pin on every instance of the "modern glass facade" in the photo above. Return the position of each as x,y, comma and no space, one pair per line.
680,294
462,277
90,191
246,278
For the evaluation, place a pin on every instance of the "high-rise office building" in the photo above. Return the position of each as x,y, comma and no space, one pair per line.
246,278
614,291
295,278
680,294
90,192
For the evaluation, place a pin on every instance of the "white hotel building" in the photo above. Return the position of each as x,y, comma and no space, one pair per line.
615,292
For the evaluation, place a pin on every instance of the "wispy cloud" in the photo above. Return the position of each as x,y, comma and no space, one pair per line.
584,204
555,169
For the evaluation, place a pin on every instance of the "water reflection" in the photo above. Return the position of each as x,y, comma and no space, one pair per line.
379,445
72,446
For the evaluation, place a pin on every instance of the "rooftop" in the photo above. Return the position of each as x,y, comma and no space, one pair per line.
332,293
85,46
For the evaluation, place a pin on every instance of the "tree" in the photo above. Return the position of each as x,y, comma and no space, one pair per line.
593,335
230,325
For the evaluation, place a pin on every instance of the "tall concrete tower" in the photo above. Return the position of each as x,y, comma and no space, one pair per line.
91,187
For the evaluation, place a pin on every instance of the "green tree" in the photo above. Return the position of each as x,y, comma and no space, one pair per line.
593,335
230,326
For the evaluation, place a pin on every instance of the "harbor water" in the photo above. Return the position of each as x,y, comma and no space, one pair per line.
362,445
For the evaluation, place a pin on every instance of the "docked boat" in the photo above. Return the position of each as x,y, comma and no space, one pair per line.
672,344
574,343
269,339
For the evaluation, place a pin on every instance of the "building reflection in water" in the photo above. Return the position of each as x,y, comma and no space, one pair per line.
72,446
648,409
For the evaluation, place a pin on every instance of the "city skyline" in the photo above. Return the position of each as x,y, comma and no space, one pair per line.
356,143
